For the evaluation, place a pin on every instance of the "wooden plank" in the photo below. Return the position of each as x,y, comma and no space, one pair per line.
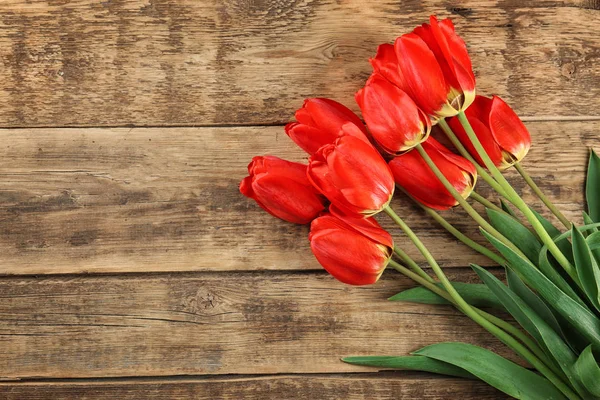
106,200
405,385
213,323
88,63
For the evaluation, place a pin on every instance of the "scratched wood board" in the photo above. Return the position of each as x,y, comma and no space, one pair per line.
132,268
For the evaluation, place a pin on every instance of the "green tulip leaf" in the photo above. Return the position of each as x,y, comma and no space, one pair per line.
507,209
518,234
588,220
414,363
587,267
563,245
495,370
588,371
475,294
518,287
593,241
550,271
592,187
544,333
577,315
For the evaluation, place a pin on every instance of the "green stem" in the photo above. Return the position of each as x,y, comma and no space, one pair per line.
462,237
465,153
542,196
486,203
463,306
412,264
516,332
464,204
518,201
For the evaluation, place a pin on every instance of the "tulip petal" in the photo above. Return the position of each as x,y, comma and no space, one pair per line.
309,138
346,253
412,173
286,199
282,189
330,115
371,184
483,134
508,130
454,51
422,73
367,226
394,120
386,64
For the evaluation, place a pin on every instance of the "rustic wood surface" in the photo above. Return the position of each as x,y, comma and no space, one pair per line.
150,199
131,268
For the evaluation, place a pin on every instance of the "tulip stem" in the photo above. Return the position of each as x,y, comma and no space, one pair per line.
485,202
542,196
518,201
465,204
463,306
412,264
462,237
509,328
465,153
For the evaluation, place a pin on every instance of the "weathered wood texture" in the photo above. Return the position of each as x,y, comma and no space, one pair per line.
151,199
403,385
140,62
207,323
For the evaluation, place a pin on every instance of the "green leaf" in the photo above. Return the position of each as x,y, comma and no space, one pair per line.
587,267
576,314
588,220
564,245
549,270
534,324
588,371
507,208
592,187
518,287
548,226
496,371
414,363
518,234
475,294
593,241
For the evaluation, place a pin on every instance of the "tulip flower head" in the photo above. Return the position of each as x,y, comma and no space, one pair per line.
282,189
322,121
412,173
499,129
352,175
435,68
354,250
394,120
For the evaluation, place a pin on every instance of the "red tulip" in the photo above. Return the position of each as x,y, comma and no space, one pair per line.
412,173
321,122
354,250
498,128
386,64
436,68
352,175
394,120
282,189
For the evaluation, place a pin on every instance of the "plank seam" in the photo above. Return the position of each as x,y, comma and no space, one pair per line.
526,118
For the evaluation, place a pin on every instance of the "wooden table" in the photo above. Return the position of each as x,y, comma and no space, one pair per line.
131,266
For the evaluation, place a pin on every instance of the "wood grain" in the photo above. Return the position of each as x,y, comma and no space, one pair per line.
159,62
213,323
152,199
402,385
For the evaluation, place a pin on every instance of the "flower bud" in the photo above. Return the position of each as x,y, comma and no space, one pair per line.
282,189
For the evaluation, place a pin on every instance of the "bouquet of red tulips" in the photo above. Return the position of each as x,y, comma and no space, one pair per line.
425,79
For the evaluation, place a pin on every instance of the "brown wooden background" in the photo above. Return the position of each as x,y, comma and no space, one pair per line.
131,266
